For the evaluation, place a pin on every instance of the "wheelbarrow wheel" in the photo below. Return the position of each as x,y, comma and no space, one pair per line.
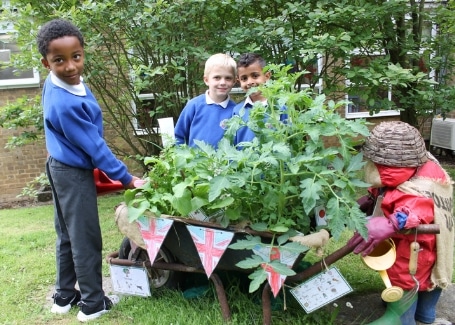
158,278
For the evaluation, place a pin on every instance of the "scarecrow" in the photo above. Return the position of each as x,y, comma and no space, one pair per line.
408,188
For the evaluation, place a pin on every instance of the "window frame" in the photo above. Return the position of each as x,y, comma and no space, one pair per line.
16,83
366,114
319,85
137,129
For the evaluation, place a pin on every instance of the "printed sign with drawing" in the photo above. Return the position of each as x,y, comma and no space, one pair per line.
130,280
321,289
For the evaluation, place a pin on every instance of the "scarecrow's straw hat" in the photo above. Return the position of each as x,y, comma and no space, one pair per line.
395,144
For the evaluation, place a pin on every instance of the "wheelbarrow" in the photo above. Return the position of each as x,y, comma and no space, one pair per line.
178,254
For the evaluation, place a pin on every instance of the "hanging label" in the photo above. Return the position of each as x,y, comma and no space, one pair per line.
130,280
268,253
321,289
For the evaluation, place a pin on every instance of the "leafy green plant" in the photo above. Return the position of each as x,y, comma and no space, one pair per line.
33,187
272,183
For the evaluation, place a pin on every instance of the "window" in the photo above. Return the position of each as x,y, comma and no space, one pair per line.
311,77
357,107
143,120
11,77
148,111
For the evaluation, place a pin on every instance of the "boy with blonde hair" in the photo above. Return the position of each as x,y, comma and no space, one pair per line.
204,117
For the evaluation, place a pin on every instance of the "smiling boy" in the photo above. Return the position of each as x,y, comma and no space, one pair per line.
203,117
73,128
250,70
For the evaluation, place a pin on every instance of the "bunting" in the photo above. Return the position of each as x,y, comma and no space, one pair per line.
275,279
210,244
154,231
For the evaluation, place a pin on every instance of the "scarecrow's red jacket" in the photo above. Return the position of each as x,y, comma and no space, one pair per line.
420,210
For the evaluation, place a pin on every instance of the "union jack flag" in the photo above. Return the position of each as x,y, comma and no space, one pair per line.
210,244
274,278
154,231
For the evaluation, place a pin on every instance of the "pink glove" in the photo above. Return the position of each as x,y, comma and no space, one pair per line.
379,229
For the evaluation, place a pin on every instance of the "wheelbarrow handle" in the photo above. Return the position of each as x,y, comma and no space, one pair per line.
423,229
345,250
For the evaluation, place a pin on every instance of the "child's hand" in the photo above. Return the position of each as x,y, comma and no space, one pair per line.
131,184
139,182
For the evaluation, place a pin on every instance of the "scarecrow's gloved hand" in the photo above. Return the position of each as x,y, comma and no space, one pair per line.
379,229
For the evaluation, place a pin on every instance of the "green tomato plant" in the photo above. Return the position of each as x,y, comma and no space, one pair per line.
273,183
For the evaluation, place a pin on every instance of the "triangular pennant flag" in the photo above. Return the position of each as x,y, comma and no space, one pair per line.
210,244
154,231
268,253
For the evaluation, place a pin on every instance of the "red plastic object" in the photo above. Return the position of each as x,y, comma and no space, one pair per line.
104,184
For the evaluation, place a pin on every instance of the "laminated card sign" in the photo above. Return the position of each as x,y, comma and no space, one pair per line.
130,280
321,289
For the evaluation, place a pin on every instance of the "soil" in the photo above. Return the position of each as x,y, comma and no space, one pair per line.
356,309
445,157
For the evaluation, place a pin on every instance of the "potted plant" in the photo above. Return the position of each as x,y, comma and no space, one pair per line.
273,183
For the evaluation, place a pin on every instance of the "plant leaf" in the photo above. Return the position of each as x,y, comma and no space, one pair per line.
217,185
257,277
281,268
250,262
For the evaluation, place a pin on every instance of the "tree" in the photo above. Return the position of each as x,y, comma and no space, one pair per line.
390,38
158,48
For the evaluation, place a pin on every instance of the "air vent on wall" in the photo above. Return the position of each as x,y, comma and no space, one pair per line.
5,55
443,133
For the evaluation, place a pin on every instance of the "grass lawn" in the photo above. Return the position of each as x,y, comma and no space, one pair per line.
27,264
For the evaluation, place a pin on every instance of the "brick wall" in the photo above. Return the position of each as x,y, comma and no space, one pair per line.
18,166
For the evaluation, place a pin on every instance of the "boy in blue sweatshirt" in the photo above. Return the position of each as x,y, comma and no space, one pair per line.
74,141
204,117
250,70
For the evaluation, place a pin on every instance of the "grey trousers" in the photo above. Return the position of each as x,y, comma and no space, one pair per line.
79,241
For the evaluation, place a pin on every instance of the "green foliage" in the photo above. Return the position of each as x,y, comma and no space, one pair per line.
24,114
158,47
277,179
33,187
273,183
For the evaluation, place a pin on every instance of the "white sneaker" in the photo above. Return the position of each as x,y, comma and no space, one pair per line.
63,305
86,313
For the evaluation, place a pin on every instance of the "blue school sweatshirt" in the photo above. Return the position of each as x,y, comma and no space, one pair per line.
73,126
202,119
